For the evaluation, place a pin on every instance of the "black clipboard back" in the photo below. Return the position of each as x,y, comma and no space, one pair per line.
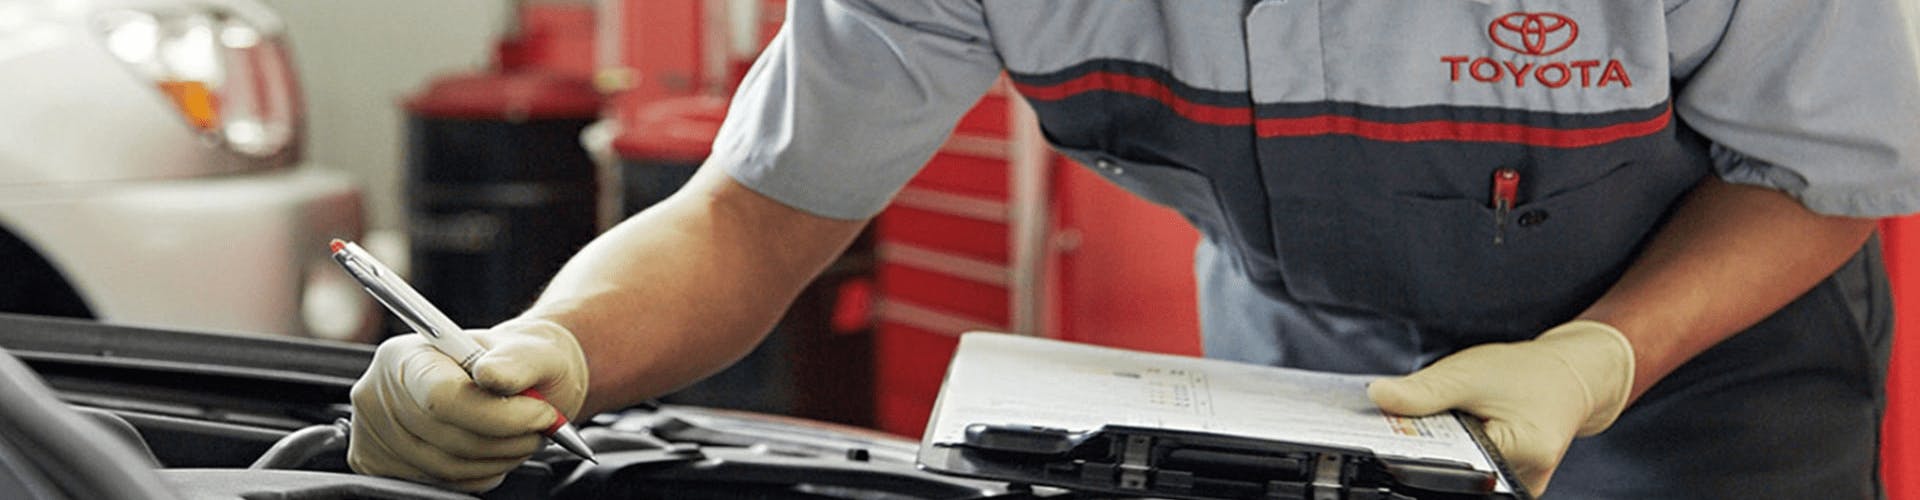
1136,461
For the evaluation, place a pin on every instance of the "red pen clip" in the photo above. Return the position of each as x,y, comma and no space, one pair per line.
1506,193
1506,188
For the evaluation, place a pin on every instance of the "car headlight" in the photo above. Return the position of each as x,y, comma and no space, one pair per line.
229,78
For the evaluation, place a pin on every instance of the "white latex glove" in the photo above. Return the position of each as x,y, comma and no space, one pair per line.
418,416
1536,396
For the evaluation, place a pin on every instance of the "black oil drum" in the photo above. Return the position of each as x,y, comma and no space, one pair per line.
499,191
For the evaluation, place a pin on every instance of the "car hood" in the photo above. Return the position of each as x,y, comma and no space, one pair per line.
129,412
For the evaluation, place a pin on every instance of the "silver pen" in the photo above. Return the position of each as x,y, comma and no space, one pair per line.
440,331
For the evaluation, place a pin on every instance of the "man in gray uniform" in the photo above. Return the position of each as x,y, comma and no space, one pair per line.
1547,211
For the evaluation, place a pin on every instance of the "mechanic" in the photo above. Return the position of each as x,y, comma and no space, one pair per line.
1556,215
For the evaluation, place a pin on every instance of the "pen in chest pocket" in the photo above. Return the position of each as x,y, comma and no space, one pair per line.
1506,191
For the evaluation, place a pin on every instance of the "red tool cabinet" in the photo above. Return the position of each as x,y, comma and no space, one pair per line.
1900,441
1107,267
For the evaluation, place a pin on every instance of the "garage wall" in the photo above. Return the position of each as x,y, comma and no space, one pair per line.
358,58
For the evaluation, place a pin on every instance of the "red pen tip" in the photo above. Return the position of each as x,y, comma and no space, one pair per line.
337,245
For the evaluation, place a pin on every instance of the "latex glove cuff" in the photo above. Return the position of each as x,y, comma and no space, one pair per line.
1601,359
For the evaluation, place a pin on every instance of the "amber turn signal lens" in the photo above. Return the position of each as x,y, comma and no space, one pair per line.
197,103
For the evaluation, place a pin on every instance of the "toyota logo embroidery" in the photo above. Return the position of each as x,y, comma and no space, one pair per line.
1534,33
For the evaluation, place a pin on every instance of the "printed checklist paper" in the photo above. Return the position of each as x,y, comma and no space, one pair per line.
1017,380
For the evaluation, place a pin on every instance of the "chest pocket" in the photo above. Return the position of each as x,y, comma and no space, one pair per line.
1454,265
1381,182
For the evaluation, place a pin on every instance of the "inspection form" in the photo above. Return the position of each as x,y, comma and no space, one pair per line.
1004,379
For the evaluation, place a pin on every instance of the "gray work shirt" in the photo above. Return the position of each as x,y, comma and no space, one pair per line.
1339,156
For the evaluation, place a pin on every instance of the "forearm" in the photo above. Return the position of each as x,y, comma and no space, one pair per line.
1730,257
674,294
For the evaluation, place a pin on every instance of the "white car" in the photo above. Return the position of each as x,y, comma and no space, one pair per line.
150,172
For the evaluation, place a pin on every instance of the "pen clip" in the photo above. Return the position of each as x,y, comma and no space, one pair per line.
1506,188
407,304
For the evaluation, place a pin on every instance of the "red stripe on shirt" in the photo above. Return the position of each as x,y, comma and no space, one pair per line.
1437,130
1447,130
1141,86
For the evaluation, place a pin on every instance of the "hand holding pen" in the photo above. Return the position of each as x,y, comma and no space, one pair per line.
419,416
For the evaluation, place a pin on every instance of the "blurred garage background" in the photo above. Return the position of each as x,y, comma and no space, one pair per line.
477,144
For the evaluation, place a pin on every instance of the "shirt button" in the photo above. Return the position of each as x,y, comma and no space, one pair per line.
1533,218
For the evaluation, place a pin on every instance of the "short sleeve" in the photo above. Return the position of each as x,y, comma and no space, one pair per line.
852,98
1817,98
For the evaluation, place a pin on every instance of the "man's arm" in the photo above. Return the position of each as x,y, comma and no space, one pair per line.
664,299
840,111
681,290
1730,257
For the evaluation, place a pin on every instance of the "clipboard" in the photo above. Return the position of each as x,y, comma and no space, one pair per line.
1152,425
